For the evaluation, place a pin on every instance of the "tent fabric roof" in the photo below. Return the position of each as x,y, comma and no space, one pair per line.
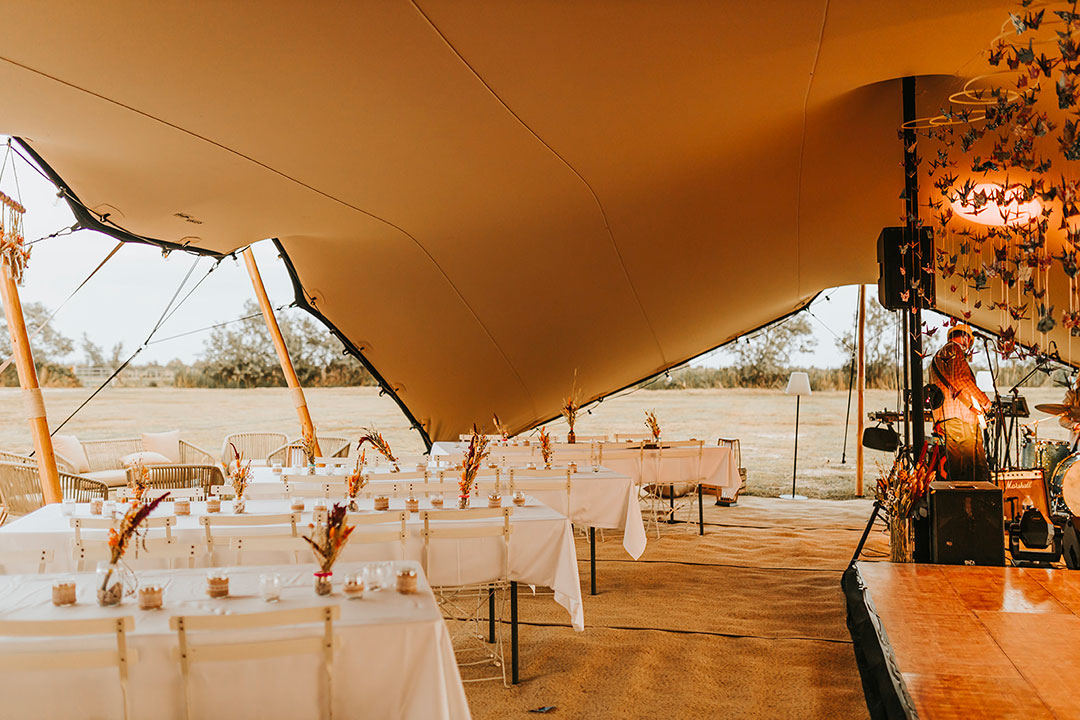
485,198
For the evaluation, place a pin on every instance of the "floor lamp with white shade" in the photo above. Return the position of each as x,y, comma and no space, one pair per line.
798,385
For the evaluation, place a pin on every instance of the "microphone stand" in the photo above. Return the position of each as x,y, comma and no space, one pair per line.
997,416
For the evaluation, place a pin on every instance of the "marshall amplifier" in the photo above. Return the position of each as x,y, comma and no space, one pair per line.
1023,488
966,523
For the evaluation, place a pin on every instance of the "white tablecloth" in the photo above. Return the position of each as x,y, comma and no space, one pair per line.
542,551
393,659
717,468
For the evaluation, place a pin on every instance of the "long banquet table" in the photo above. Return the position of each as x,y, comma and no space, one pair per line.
393,657
542,551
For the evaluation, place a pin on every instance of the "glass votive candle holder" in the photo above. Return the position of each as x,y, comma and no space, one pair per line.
150,597
318,513
213,504
67,506
354,585
63,592
97,505
217,583
297,504
276,468
108,509
494,500
412,504
406,581
382,503
270,587
437,500
182,506
519,498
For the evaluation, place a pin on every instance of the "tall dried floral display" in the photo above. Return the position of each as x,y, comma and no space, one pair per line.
899,491
373,436
239,477
545,447
327,540
570,408
474,458
653,424
111,588
357,480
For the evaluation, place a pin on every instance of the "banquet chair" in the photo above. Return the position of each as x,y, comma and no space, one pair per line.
106,523
555,484
176,477
68,657
345,463
191,493
279,521
291,453
281,543
20,488
190,628
634,437
413,476
591,438
461,594
14,560
310,488
254,491
735,446
256,446
383,532
677,473
573,452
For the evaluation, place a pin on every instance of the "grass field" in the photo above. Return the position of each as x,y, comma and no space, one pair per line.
764,420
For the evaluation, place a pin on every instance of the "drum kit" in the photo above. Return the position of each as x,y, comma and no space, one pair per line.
1059,462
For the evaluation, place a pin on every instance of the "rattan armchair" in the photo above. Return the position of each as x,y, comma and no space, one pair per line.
106,454
256,446
20,488
174,477
291,454
7,456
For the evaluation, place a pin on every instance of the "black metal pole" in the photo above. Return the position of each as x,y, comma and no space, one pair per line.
700,512
513,633
491,616
795,461
592,560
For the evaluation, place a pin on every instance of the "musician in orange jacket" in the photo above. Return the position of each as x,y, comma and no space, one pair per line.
960,417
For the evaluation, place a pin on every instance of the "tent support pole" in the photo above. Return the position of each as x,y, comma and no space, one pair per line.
860,388
291,380
28,381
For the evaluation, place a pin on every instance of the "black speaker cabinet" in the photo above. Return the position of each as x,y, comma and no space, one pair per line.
900,265
966,523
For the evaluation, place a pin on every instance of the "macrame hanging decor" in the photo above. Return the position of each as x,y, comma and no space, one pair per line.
14,253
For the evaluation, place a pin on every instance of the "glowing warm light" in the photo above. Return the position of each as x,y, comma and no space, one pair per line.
1013,212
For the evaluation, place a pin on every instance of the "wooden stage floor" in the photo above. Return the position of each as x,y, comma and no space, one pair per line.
969,642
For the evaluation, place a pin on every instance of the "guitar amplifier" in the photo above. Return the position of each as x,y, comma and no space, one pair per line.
967,523
1021,488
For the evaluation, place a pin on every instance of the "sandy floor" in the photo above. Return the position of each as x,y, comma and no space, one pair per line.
763,419
746,622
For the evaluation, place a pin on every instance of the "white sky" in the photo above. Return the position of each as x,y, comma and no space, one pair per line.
124,300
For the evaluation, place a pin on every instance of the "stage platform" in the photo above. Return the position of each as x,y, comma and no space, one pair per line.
949,641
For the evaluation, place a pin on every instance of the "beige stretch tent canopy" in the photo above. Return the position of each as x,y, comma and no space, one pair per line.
483,197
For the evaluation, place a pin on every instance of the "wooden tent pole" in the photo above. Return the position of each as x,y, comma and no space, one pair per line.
861,389
28,381
282,351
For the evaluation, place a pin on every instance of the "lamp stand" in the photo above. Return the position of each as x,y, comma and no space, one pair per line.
795,460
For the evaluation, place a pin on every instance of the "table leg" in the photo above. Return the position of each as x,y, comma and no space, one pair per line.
513,633
700,512
671,502
491,615
592,558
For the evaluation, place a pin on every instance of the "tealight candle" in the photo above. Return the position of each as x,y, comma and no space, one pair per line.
494,500
182,506
354,586
519,498
150,597
437,500
406,581
63,592
96,506
213,504
297,505
412,505
217,583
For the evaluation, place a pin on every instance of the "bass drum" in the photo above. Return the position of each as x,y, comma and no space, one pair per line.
1045,454
1065,486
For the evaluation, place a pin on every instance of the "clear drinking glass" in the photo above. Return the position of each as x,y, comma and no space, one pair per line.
67,506
270,587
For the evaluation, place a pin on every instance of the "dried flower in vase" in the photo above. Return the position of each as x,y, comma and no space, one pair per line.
653,424
570,408
119,539
327,539
357,480
899,491
138,480
376,439
545,447
474,459
310,447
239,473
500,428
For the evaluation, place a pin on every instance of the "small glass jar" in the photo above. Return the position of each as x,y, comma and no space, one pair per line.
318,513
437,500
239,506
382,503
412,504
494,500
97,506
67,507
217,583
270,587
354,586
182,506
63,592
297,504
150,597
108,509
406,581
110,586
519,498
213,504
324,582
276,468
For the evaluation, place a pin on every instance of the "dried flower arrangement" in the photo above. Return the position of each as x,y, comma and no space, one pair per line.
239,473
474,458
310,447
327,540
652,423
570,408
500,428
138,480
357,480
899,491
545,447
373,436
119,540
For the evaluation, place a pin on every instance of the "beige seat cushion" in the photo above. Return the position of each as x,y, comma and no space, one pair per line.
72,450
145,457
164,443
112,478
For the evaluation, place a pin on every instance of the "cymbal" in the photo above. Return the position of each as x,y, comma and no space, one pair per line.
1054,408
